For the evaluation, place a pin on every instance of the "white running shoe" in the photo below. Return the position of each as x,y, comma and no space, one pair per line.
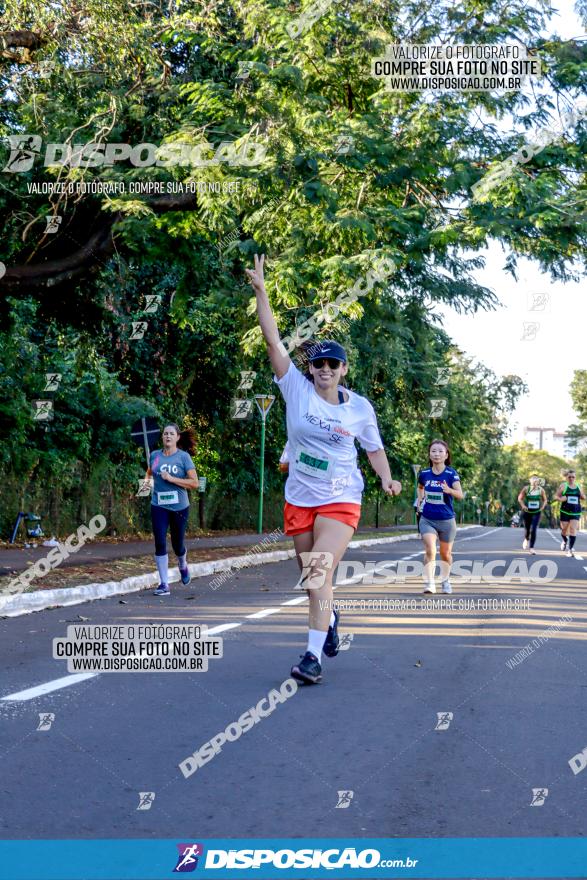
532,551
446,587
563,545
525,544
570,553
430,588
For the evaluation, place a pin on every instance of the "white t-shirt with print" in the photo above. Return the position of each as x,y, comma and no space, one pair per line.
321,443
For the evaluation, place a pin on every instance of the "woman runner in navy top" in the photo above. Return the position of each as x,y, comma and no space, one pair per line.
437,486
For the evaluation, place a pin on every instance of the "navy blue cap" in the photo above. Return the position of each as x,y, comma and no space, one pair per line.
327,349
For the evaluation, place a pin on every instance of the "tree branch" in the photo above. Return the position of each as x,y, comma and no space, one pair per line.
100,245
27,40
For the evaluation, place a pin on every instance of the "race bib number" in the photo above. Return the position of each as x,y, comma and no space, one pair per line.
572,499
434,497
319,467
533,505
164,498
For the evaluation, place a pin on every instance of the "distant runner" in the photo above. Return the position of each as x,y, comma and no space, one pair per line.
570,494
173,473
437,486
532,499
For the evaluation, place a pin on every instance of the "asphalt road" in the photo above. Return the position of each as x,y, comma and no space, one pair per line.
369,728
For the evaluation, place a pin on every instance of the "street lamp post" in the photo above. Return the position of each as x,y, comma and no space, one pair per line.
416,468
264,403
463,506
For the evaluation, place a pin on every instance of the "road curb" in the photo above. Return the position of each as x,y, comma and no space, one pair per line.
41,600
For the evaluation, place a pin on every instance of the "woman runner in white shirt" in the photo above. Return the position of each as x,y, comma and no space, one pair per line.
324,486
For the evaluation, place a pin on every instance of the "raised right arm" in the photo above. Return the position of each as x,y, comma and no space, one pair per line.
280,360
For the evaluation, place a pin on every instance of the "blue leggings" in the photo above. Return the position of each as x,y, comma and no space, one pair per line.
176,521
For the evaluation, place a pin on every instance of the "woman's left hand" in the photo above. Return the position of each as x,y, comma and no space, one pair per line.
165,475
391,487
446,488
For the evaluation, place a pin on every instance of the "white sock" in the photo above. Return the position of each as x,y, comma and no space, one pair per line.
332,619
162,566
316,639
183,560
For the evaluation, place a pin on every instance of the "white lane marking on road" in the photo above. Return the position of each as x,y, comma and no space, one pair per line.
297,601
222,628
482,535
265,613
58,683
578,557
50,686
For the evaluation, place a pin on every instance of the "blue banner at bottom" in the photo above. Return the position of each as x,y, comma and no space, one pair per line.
304,858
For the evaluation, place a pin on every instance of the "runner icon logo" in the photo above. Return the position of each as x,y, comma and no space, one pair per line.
344,800
538,302
529,331
52,381
52,224
437,408
138,329
145,488
539,795
345,642
247,379
316,565
46,719
444,719
241,408
43,410
23,150
188,857
344,145
244,69
146,799
152,303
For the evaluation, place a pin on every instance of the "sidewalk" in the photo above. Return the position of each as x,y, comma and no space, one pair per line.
91,581
15,559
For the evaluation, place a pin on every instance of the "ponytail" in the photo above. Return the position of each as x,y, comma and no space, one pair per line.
187,439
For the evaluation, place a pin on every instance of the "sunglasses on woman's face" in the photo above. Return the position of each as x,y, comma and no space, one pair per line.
332,363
